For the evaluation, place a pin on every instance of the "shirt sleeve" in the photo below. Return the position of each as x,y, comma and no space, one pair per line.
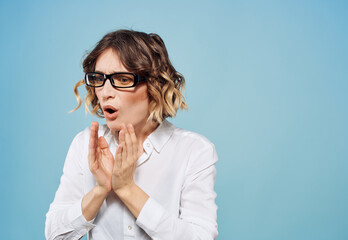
198,211
64,219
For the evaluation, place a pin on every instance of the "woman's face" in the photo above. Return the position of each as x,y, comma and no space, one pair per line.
131,104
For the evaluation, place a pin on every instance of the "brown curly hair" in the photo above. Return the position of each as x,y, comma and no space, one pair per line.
145,55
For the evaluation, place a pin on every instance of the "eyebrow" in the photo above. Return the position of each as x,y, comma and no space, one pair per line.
96,71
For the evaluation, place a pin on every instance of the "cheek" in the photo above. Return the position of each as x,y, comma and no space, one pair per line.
137,101
96,93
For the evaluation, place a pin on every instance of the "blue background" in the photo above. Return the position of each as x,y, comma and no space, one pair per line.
266,83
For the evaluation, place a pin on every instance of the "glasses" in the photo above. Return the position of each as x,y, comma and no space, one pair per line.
118,80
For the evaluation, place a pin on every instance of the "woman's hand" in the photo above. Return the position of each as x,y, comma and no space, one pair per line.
126,158
100,160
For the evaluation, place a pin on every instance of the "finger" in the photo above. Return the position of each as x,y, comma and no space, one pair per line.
129,146
103,144
104,147
93,140
122,141
134,140
97,155
124,153
120,135
118,156
93,136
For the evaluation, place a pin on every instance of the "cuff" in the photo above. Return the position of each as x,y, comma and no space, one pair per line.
150,217
80,224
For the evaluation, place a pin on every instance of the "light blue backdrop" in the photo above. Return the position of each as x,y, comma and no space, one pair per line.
266,82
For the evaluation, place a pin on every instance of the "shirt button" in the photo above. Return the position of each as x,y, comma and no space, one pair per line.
147,144
129,227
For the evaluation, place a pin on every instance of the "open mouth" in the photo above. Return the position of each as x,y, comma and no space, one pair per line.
110,110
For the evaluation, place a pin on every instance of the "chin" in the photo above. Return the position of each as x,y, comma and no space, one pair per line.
114,125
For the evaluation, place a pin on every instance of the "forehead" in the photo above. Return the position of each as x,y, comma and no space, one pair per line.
109,62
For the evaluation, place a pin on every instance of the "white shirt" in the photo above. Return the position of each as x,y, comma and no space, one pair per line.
176,170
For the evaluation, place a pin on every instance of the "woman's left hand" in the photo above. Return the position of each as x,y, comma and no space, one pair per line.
126,158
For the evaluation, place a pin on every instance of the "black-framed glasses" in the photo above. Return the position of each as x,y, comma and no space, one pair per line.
118,80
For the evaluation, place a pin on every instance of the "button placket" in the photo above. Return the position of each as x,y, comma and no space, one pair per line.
147,146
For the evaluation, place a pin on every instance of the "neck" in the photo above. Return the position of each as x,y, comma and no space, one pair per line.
143,131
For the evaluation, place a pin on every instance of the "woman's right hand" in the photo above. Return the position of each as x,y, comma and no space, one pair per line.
100,160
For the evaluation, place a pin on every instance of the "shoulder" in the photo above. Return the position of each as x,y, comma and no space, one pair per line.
192,138
194,144
199,150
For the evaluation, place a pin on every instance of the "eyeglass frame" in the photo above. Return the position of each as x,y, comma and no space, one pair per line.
137,79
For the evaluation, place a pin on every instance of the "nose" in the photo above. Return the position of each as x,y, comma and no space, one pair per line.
108,91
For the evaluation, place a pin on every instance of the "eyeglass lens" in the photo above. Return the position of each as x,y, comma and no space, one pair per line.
120,80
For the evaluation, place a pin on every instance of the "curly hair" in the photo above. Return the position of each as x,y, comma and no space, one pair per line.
145,55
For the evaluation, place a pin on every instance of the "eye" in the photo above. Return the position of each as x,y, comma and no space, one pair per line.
123,80
95,79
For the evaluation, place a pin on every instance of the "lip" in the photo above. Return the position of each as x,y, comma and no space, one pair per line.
110,116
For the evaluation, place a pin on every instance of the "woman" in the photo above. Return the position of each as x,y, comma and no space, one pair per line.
138,176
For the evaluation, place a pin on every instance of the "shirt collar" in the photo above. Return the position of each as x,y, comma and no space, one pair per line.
161,135
105,131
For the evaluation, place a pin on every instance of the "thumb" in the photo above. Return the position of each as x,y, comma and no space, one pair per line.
103,144
104,147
